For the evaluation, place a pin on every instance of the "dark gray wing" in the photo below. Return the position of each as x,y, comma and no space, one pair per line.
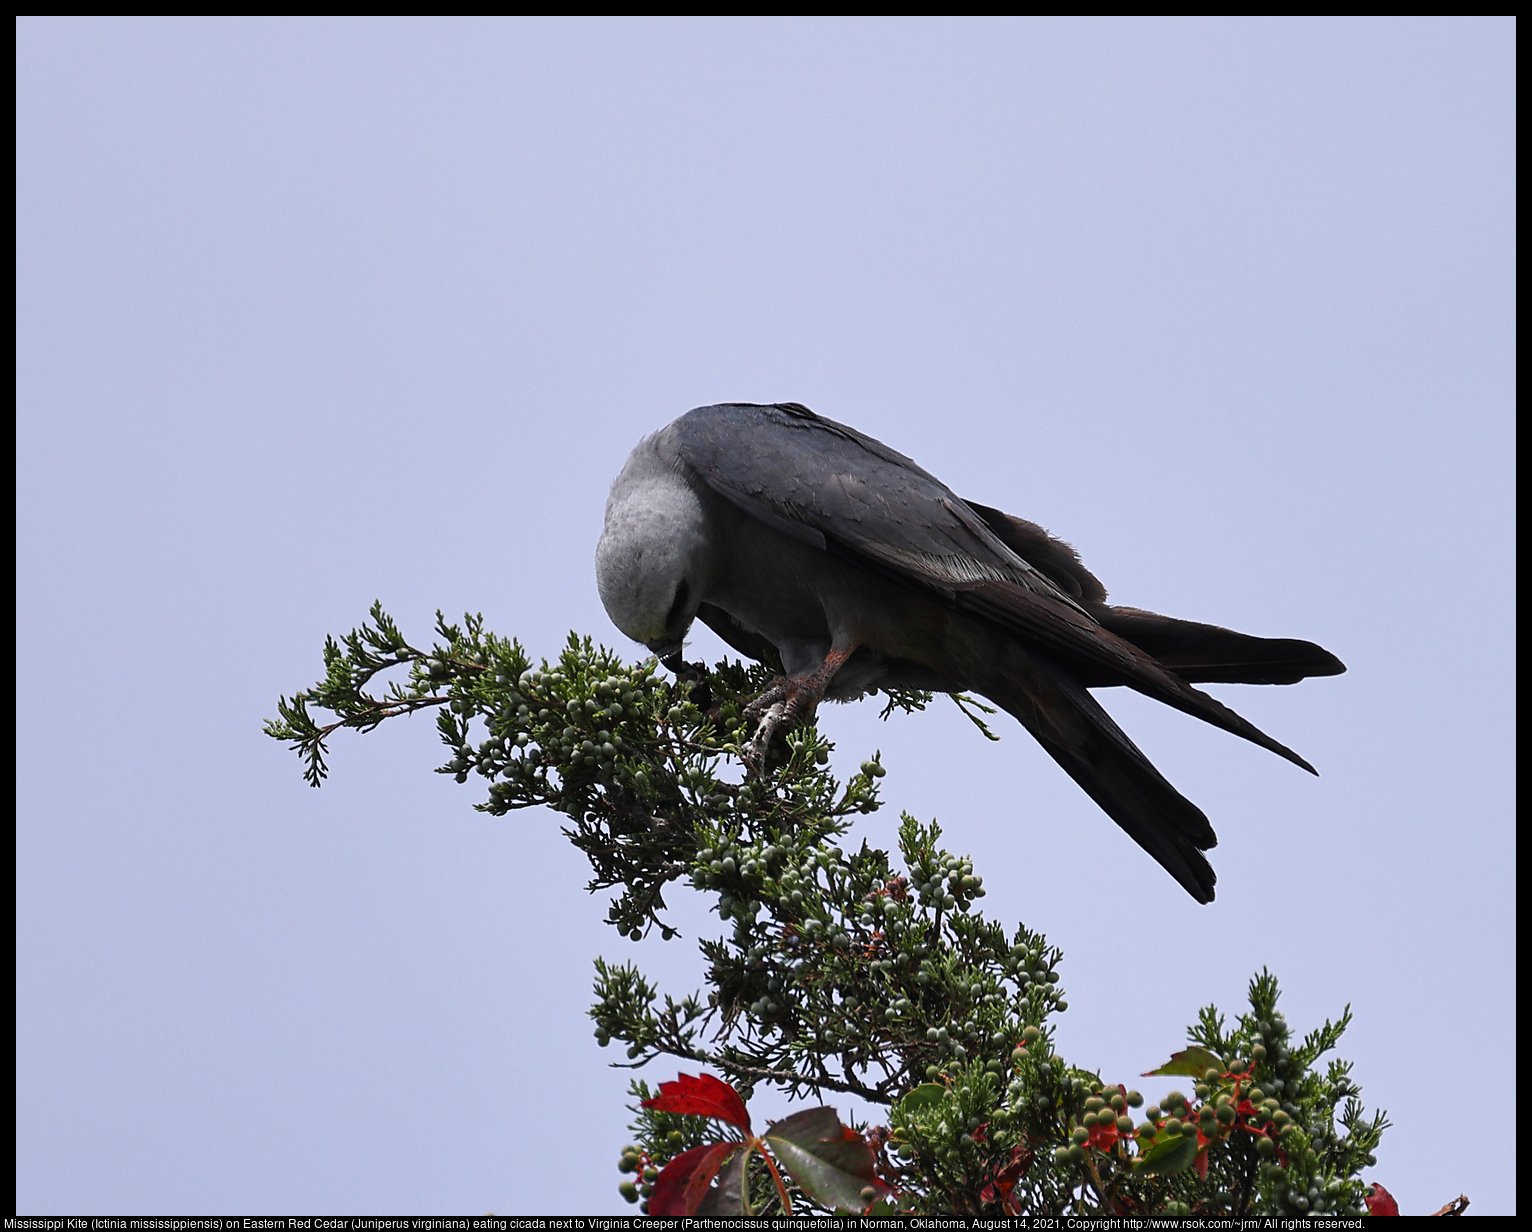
1197,653
821,481
848,494
1078,734
1060,562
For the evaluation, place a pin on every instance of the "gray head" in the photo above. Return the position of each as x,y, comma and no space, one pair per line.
651,562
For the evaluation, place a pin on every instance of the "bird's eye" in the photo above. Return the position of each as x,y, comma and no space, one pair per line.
678,607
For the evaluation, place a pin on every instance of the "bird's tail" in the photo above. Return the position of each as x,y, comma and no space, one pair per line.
1208,654
1097,754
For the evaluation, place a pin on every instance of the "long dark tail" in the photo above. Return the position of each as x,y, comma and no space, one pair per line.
1097,754
1207,654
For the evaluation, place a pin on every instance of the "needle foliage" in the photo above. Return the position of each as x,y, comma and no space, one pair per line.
838,968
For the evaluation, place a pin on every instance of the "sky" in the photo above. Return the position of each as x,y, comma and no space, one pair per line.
317,311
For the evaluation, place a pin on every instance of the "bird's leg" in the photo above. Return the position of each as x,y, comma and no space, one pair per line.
798,695
788,700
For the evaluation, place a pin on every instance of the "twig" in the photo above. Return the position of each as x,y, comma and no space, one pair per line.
1094,1177
871,1094
1456,1207
378,711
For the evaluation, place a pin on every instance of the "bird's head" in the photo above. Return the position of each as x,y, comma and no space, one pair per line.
651,562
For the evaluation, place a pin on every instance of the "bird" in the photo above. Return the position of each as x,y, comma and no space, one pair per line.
815,548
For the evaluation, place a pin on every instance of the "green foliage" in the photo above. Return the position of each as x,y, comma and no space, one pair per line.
843,970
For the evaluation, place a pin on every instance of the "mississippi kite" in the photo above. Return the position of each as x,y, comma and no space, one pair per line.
799,539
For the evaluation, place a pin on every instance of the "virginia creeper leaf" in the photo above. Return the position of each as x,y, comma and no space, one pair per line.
1189,1062
728,1197
926,1095
831,1163
682,1184
1104,1137
703,1095
1171,1153
1381,1202
1005,1179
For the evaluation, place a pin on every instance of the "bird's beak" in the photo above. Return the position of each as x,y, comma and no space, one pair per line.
668,653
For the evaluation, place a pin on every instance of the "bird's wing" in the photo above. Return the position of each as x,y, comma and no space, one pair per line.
843,492
1197,653
1057,559
1052,704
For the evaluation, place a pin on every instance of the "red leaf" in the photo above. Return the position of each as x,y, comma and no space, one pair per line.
1104,1137
1381,1202
1004,1181
701,1096
683,1184
728,1196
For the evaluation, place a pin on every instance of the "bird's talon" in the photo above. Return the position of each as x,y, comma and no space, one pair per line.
755,748
768,697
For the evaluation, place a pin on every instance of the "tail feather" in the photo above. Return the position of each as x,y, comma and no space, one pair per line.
1099,657
1078,734
1208,654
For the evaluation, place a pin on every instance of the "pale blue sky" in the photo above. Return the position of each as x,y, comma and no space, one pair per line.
317,311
